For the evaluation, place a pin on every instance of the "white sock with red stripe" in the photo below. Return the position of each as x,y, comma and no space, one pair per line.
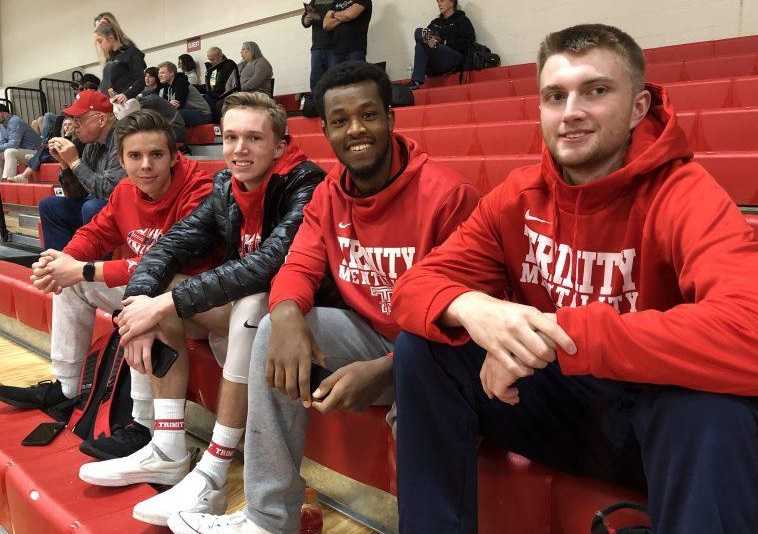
168,429
218,456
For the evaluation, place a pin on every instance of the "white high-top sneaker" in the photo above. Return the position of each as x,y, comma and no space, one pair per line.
194,523
195,493
149,464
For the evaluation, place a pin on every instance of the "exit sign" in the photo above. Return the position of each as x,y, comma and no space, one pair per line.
193,44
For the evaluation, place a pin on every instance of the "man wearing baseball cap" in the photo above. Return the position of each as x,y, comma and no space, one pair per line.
97,169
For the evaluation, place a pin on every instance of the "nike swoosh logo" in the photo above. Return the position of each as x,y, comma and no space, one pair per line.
250,325
529,217
344,225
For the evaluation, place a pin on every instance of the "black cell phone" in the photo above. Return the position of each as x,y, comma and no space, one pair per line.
43,434
318,374
162,358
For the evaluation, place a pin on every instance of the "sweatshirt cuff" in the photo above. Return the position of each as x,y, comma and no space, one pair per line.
574,322
304,304
115,273
439,304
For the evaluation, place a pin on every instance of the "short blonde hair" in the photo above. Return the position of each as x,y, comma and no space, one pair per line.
260,101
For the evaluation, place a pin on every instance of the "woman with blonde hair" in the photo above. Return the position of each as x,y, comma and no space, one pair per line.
124,63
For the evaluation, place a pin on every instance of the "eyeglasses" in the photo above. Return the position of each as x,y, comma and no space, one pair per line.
78,121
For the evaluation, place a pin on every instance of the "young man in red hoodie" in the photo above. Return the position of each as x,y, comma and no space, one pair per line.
162,187
596,313
379,211
254,210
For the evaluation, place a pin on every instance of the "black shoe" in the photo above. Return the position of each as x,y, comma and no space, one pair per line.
122,442
45,394
413,85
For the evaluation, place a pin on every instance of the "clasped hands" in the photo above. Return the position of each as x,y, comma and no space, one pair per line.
56,270
519,340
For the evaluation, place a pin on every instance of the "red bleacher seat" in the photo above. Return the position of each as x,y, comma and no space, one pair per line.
304,125
48,172
668,54
736,172
665,72
486,90
409,117
720,67
736,46
9,192
687,96
745,91
731,129
201,135
444,114
211,166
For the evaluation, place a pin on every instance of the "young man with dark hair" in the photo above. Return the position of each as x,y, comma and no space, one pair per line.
348,21
176,89
380,210
162,187
255,210
572,318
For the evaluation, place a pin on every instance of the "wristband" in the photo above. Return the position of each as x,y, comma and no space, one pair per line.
88,272
75,163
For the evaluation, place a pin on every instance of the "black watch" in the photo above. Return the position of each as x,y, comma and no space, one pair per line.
88,272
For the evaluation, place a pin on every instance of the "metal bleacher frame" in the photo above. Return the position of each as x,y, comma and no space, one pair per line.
28,103
57,94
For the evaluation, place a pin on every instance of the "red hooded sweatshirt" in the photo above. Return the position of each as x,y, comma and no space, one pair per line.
130,217
650,268
251,202
367,242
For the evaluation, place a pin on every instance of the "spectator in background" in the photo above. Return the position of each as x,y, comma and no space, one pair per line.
88,81
321,40
152,83
441,47
188,67
98,169
348,21
217,71
123,72
60,126
21,141
185,97
255,72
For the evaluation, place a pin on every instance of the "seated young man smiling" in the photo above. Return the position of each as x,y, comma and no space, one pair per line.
255,210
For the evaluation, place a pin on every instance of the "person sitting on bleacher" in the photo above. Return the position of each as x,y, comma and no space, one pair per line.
379,211
441,47
255,71
218,69
255,209
188,67
185,97
162,188
597,313
98,169
152,82
21,141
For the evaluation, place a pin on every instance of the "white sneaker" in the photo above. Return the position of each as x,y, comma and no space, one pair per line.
195,493
194,523
149,464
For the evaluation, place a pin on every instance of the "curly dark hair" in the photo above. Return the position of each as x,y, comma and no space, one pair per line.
349,73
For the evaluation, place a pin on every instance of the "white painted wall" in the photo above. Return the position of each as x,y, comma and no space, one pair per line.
59,38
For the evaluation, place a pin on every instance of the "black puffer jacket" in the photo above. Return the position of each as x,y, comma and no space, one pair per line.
456,31
219,218
124,72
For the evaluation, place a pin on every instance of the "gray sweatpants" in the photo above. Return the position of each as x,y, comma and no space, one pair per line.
275,434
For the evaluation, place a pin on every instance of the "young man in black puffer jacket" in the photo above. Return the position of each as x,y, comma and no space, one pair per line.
442,46
255,210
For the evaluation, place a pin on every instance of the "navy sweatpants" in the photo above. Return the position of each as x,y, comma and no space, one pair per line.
696,452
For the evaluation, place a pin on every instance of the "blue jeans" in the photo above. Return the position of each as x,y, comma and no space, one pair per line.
321,61
341,57
193,117
433,61
696,452
61,217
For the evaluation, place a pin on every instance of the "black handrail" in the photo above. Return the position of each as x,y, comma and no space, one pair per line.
58,93
28,103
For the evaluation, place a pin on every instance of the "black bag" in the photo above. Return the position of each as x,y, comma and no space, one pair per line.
479,57
309,106
401,96
600,526
104,390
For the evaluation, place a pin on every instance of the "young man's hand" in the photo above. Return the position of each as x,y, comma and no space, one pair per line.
497,381
141,314
55,270
291,350
520,337
354,386
138,352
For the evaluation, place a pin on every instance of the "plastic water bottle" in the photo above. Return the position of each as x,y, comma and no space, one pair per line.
311,515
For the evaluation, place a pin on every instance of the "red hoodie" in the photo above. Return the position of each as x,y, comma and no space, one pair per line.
251,202
650,269
130,217
366,243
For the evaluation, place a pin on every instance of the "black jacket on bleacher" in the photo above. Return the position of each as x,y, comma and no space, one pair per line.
222,72
124,72
456,31
219,216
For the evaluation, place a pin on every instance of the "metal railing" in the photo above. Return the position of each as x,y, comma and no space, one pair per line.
58,94
10,107
28,103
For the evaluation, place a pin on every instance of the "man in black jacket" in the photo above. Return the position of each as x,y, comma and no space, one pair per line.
217,72
176,89
255,210
442,46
